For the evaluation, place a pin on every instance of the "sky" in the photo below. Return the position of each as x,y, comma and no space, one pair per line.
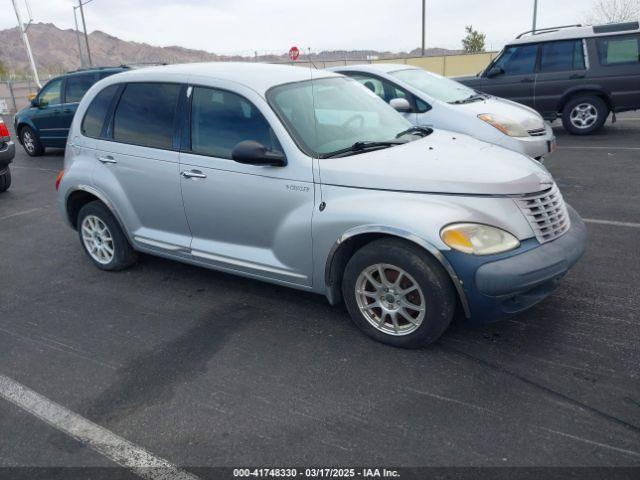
272,26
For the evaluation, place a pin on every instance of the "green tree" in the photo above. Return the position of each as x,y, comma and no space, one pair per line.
474,41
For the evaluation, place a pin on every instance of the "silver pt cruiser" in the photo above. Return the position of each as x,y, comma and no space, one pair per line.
308,179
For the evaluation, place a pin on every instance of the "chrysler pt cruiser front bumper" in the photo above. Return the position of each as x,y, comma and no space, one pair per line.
499,285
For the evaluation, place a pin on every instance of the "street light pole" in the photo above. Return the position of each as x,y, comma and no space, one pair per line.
86,37
423,25
27,46
535,15
75,19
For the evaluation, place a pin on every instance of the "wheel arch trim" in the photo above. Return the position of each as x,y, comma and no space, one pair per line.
100,196
399,233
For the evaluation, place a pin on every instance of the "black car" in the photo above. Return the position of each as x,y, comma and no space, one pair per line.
7,151
580,73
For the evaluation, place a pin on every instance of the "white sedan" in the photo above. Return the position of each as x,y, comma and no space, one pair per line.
431,100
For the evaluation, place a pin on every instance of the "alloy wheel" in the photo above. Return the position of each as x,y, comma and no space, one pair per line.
583,115
97,239
390,299
28,141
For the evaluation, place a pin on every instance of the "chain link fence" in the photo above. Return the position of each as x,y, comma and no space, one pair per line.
14,95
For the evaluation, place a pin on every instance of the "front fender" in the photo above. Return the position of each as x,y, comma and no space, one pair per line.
332,291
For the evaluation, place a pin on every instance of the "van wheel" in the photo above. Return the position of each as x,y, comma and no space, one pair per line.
398,294
584,114
102,238
5,180
31,142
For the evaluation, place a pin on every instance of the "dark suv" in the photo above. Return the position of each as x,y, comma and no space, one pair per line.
581,73
46,122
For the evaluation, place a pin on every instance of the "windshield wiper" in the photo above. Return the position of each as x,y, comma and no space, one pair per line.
472,98
422,131
362,146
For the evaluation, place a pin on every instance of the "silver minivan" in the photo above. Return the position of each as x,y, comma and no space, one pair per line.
429,99
305,179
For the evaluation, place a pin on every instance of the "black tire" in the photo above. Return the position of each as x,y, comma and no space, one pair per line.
123,253
438,293
593,105
5,180
33,147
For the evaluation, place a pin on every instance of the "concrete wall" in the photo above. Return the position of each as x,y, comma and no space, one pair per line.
449,65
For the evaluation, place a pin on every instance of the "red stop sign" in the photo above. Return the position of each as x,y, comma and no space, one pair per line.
294,53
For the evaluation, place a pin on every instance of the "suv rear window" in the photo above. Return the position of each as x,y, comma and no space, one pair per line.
97,111
146,114
562,56
619,50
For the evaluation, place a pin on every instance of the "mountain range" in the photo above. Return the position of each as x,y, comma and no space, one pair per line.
56,50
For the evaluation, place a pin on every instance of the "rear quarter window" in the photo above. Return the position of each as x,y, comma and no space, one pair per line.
97,112
619,50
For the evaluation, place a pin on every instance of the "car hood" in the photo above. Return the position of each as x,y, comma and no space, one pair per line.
528,118
443,162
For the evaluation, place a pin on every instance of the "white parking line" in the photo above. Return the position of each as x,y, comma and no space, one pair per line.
24,212
103,441
612,222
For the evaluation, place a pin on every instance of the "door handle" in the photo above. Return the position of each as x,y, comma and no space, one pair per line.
67,111
193,174
575,76
107,159
527,80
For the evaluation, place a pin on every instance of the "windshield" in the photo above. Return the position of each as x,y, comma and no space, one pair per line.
332,114
435,86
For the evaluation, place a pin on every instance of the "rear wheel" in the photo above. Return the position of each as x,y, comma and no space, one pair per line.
31,142
584,114
102,238
398,294
5,180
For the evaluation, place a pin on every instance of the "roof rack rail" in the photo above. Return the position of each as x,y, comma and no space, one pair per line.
143,64
547,30
93,68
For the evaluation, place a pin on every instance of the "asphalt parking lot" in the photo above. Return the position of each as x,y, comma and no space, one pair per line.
206,369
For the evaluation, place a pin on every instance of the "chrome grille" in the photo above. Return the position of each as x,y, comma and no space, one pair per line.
546,212
538,132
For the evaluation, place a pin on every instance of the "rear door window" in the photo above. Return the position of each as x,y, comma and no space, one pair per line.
619,50
97,112
221,119
76,86
146,114
561,56
518,59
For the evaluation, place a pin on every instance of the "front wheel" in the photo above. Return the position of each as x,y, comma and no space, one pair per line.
102,238
398,294
31,142
584,114
5,180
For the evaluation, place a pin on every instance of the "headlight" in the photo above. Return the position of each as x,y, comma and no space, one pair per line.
477,239
505,125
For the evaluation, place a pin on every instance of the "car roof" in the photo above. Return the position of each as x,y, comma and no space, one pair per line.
573,32
373,67
257,76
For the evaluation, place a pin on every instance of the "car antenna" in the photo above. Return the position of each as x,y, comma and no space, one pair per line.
315,120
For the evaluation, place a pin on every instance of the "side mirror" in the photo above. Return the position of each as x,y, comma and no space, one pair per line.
400,104
251,152
494,72
34,102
